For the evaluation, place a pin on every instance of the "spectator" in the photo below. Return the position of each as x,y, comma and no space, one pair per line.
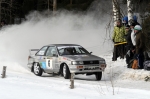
119,41
129,46
133,36
139,47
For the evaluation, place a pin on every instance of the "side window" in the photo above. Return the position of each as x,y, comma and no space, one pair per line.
51,51
77,50
42,51
61,51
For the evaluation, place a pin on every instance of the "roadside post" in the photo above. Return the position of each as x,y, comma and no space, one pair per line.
72,81
4,72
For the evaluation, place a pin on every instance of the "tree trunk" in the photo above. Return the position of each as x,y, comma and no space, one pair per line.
54,5
130,11
71,2
48,5
0,10
10,21
116,11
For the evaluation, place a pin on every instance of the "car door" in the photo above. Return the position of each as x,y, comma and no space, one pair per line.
40,57
52,59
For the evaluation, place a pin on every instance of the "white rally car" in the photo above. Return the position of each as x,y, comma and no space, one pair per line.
65,59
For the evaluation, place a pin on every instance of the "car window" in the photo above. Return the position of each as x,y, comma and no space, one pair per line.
72,50
42,51
51,51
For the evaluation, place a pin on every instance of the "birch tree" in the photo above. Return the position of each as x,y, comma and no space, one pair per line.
130,11
116,11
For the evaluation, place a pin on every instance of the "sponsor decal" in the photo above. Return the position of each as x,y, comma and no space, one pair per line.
49,58
64,58
40,57
43,64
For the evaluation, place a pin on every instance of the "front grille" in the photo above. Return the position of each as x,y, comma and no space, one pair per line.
90,62
94,68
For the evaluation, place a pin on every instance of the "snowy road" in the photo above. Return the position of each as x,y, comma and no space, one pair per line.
28,86
129,84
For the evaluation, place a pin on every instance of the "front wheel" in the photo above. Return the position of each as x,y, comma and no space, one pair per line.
66,72
37,69
98,75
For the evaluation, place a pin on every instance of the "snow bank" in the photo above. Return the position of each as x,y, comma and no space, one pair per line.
119,71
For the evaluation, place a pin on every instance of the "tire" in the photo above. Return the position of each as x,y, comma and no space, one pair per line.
98,76
37,69
66,71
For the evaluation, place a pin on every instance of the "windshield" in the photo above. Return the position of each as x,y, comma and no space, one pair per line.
72,50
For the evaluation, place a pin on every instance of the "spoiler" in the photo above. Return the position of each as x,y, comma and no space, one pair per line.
34,49
31,50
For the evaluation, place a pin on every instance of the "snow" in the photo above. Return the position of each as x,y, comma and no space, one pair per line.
25,85
38,30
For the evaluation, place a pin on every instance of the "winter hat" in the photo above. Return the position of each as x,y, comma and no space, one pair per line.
133,24
127,26
138,27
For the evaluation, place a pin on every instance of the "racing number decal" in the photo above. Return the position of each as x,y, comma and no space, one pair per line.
49,64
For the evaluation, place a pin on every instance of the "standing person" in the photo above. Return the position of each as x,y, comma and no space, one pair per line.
139,47
129,46
133,36
119,41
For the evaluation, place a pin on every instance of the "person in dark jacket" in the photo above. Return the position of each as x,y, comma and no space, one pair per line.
129,46
139,47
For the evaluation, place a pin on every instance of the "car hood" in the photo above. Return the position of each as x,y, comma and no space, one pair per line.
83,57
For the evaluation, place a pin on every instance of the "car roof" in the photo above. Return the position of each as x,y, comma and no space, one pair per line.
62,45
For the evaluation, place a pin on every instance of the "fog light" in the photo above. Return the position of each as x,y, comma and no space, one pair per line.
103,65
79,67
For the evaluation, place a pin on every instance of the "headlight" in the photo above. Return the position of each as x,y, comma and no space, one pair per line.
102,61
77,62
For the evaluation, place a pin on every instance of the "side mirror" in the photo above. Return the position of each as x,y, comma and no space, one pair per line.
91,52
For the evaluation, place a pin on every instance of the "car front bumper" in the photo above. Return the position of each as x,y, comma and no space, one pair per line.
87,68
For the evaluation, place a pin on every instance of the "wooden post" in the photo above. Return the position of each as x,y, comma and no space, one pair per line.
4,72
72,81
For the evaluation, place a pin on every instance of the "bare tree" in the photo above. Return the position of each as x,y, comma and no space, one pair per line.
0,9
54,5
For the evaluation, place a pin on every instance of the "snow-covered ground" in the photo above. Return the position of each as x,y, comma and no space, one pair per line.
88,30
128,84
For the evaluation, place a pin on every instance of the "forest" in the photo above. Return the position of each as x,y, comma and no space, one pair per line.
11,9
18,9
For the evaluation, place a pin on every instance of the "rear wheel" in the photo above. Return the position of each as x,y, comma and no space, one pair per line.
37,69
66,72
98,75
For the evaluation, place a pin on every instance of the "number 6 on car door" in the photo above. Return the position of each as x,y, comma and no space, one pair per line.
49,64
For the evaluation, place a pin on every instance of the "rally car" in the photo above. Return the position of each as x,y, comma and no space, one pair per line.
64,59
